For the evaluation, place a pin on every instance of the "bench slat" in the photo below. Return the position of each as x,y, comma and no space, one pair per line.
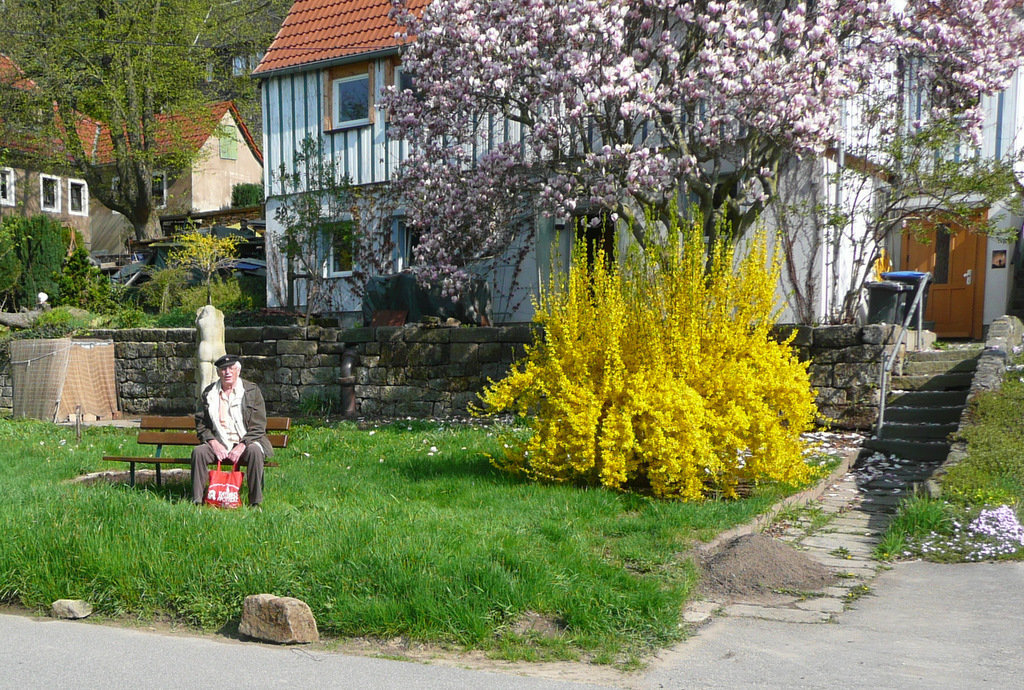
188,423
167,461
189,438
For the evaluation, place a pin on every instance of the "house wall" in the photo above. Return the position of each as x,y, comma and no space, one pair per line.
297,106
27,200
213,177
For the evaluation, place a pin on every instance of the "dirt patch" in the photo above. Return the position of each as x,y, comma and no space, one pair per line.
756,564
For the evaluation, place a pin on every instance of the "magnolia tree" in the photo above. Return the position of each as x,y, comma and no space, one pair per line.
566,107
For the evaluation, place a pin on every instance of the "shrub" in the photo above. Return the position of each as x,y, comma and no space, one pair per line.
37,250
246,194
59,322
661,376
83,285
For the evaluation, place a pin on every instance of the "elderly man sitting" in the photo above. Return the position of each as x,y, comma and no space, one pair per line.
232,426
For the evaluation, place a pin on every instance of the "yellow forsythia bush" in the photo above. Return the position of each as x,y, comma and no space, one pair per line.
661,376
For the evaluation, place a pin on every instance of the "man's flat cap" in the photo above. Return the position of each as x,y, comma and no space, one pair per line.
226,361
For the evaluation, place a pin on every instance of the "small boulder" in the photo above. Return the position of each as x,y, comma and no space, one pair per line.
284,620
70,608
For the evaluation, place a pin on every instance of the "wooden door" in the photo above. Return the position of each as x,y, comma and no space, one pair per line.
954,255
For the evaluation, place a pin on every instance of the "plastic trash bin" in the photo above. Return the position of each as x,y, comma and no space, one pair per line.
911,279
888,301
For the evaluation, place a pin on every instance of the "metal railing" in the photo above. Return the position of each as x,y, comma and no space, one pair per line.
883,376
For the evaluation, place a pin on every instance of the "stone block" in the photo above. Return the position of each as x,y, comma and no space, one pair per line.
318,375
243,334
850,375
328,335
413,408
820,374
384,334
284,620
471,334
836,336
520,333
356,335
394,354
428,335
829,397
293,361
284,333
425,355
462,353
71,609
823,356
461,401
876,333
296,347
333,349
495,352
860,353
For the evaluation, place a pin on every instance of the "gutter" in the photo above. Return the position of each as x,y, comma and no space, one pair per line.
328,62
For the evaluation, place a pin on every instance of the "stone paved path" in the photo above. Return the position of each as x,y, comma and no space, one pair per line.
839,530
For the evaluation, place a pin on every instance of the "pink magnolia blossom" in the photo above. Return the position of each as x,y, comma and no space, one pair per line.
563,106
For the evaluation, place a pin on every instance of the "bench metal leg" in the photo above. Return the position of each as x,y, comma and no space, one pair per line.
157,474
131,474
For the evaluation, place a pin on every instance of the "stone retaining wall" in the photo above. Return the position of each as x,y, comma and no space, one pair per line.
423,372
845,363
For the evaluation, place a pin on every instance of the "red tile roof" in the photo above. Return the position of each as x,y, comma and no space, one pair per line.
192,129
11,74
319,30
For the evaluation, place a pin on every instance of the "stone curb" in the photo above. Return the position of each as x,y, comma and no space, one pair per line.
806,496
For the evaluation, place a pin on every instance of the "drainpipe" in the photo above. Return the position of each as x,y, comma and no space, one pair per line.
348,382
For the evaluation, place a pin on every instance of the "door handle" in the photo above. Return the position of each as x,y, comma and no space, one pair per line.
969,275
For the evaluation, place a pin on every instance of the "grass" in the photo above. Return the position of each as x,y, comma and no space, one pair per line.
403,530
991,475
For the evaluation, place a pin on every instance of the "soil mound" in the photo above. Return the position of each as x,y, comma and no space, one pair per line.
755,564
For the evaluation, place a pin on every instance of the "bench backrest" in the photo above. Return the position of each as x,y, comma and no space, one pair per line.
181,431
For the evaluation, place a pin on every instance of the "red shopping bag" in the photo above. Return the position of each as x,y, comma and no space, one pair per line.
225,488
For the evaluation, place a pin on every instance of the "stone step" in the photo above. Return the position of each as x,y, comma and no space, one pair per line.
957,354
917,431
926,415
933,382
910,450
939,366
927,398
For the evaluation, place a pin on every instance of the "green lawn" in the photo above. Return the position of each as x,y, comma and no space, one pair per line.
402,530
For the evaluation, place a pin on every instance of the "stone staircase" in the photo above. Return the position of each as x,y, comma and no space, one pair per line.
925,402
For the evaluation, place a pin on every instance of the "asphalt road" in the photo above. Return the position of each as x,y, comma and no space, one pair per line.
922,626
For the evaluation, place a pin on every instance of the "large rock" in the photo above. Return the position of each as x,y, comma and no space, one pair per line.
284,620
70,608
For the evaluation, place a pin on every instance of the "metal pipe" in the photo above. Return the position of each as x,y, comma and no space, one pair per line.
348,382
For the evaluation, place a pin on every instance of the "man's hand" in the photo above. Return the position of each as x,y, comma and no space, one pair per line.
218,449
236,453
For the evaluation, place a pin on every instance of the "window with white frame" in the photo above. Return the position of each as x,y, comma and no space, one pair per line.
49,193
78,198
341,238
351,96
160,190
6,187
406,238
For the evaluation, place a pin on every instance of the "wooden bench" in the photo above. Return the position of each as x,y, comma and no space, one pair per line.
181,431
